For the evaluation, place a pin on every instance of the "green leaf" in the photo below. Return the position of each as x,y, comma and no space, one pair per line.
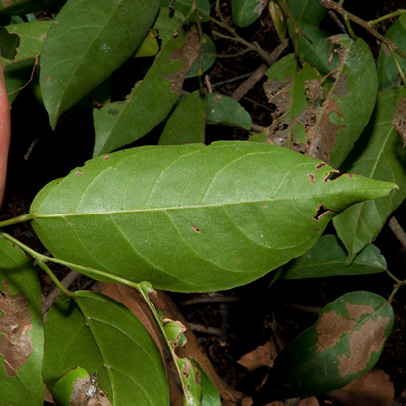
121,123
184,6
86,44
306,11
187,123
209,57
223,110
21,329
88,331
191,217
344,343
21,7
388,74
378,155
245,12
149,46
328,258
21,45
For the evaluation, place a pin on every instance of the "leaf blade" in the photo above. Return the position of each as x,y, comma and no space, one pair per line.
100,37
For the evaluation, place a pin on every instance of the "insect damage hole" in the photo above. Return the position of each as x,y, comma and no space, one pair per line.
332,175
196,229
321,211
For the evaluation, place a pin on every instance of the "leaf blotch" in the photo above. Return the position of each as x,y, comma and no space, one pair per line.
186,55
399,119
330,328
312,177
355,311
369,338
15,344
196,229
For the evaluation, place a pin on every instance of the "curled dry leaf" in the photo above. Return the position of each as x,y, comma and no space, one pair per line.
263,355
15,322
371,389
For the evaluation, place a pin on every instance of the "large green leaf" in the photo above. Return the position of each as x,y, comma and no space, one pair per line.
379,155
191,217
328,258
245,12
21,45
306,11
88,41
187,123
344,343
101,335
388,74
150,101
21,329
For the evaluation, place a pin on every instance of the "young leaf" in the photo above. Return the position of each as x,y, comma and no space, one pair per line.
382,157
21,329
86,44
344,343
191,217
245,12
187,123
150,101
91,331
388,74
328,258
223,110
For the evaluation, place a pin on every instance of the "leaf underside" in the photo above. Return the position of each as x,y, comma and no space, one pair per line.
191,217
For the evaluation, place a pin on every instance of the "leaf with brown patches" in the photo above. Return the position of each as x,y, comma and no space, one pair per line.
120,123
344,343
399,119
316,114
21,329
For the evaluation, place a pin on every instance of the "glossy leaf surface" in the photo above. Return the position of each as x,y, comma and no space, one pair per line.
329,258
87,42
187,123
191,217
150,101
21,329
91,332
245,12
382,158
388,74
344,343
224,110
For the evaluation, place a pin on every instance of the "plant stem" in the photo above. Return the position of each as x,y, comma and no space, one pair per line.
399,68
79,268
385,17
16,220
55,280
332,5
395,289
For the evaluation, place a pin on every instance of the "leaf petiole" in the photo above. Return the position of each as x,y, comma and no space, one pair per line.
16,220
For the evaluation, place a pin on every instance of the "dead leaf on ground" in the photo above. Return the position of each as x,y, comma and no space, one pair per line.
264,355
371,389
311,401
15,322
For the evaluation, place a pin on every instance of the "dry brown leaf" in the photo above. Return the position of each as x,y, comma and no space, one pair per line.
263,355
311,401
15,322
399,119
371,389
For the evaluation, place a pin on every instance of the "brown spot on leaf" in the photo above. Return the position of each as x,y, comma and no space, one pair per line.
261,5
106,157
355,311
320,165
331,327
311,177
78,173
369,338
186,55
331,175
196,229
399,119
15,344
321,211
